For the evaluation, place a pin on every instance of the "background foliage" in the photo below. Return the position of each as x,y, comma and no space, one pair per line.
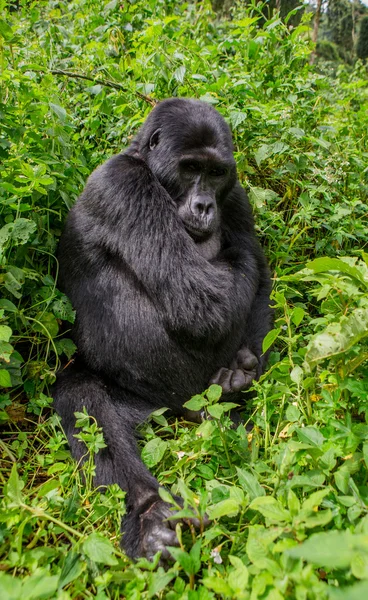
288,499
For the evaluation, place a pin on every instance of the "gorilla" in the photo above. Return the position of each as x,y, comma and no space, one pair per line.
160,259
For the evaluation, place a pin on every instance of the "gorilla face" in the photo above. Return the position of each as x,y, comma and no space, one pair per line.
188,146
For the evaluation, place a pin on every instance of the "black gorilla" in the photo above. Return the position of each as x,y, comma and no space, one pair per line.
160,260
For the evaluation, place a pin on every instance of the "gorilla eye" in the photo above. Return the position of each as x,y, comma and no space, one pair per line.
191,166
218,172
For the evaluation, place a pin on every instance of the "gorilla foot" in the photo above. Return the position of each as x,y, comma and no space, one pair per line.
242,371
150,531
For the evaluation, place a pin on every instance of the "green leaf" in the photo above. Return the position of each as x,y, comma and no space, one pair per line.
47,324
338,337
270,338
296,375
270,508
179,74
297,315
5,333
14,486
259,542
59,111
18,232
322,265
238,578
214,393
250,484
183,558
5,380
292,413
357,591
40,586
219,586
73,567
65,346
225,508
7,305
332,549
154,451
5,30
237,117
216,411
310,435
196,403
99,549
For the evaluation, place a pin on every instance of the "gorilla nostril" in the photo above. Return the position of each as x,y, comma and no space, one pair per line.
203,207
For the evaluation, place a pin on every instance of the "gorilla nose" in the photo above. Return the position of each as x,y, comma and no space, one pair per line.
203,206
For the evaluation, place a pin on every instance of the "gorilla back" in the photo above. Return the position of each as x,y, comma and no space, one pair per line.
160,260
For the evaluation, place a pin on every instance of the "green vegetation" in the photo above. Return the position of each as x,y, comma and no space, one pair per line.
288,501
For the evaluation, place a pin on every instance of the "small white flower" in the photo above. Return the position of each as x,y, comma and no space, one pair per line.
215,554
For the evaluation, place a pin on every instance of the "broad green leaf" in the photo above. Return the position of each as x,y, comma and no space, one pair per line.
153,451
14,486
59,111
297,315
73,567
238,578
46,324
357,591
18,232
338,337
5,333
99,549
196,403
214,393
270,508
219,586
229,507
237,117
5,30
332,549
321,265
259,542
40,586
5,380
250,484
216,411
269,339
183,558
310,435
179,74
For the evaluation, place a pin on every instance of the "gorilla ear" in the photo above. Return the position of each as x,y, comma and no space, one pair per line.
154,139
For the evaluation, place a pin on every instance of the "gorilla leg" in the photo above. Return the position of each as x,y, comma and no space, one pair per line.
145,528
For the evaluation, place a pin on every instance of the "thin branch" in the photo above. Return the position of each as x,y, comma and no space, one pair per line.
105,82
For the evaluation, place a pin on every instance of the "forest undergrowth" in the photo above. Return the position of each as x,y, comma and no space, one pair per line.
288,498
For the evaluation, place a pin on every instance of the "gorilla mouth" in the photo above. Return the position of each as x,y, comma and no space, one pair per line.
197,232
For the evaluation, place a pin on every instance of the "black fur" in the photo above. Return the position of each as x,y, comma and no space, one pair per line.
160,260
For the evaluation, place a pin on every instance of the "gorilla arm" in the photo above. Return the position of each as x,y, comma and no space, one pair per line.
126,211
252,281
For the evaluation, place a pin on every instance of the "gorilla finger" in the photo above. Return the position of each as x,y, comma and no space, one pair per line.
246,359
217,377
249,378
238,380
225,381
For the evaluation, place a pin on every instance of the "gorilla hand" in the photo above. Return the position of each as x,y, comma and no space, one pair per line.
239,377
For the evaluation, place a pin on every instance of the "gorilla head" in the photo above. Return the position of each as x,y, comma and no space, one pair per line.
188,146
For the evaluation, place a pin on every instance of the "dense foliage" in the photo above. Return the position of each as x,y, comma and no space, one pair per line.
287,499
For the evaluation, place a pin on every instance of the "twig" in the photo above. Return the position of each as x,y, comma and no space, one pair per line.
105,82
